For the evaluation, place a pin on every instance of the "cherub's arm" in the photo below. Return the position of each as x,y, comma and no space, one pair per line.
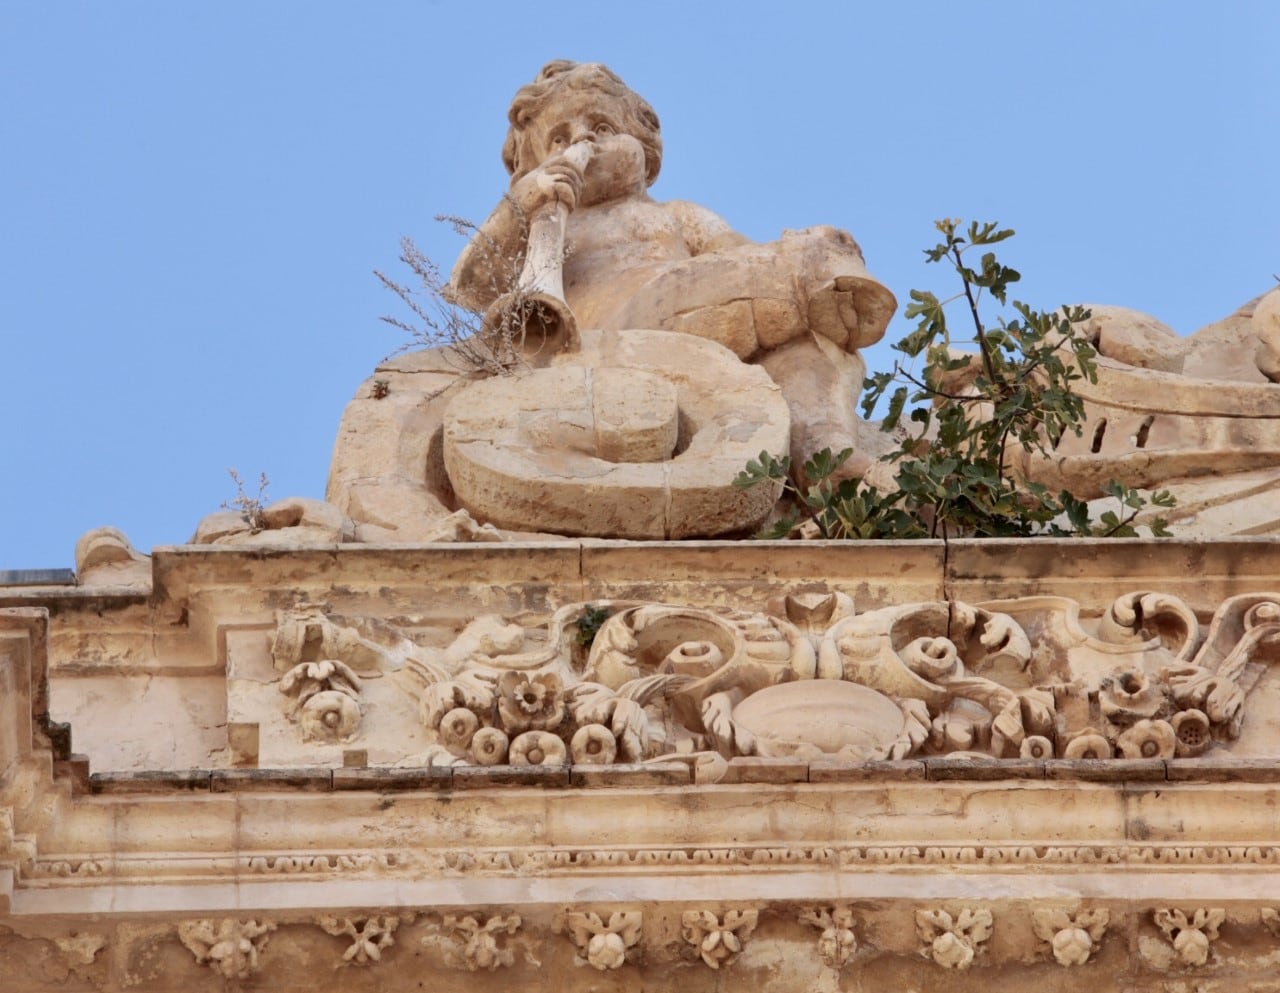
490,264
703,229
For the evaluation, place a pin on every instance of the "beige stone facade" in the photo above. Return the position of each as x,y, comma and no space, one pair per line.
715,826
497,714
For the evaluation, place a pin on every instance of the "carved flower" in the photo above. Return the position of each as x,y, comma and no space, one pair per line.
1129,696
1072,946
604,945
717,941
837,943
1191,728
489,746
1088,744
530,703
367,940
1191,937
229,946
1192,947
481,948
538,748
606,951
951,951
1148,740
593,744
457,728
953,941
306,679
1036,746
330,716
1072,938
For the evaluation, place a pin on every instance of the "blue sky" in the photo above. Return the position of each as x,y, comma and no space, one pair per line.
193,196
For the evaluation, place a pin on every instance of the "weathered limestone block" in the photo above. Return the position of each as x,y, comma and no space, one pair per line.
542,451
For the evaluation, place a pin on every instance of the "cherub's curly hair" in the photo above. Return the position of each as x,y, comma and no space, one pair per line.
639,119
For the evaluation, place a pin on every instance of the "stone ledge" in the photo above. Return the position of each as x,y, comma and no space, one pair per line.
621,776
758,770
942,769
434,778
189,781
881,771
263,780
1107,770
1226,770
479,777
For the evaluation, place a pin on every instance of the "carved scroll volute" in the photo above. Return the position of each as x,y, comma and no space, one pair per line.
1152,620
644,640
1245,629
865,649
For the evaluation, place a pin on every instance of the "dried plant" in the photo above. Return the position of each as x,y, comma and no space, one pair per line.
251,508
491,344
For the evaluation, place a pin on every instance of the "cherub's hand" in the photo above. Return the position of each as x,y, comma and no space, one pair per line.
558,180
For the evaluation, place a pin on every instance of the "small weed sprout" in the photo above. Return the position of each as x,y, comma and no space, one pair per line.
589,624
496,347
250,507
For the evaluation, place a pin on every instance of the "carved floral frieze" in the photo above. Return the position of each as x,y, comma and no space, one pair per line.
809,677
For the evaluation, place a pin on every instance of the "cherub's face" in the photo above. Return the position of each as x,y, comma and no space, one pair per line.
575,115
617,166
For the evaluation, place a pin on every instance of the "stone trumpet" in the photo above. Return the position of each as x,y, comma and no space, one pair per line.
535,311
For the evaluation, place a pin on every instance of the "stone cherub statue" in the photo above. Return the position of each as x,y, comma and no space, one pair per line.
800,307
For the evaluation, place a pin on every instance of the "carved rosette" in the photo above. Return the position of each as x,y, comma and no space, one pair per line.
1072,938
324,699
369,936
837,942
483,942
718,940
1191,935
228,946
604,944
953,942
